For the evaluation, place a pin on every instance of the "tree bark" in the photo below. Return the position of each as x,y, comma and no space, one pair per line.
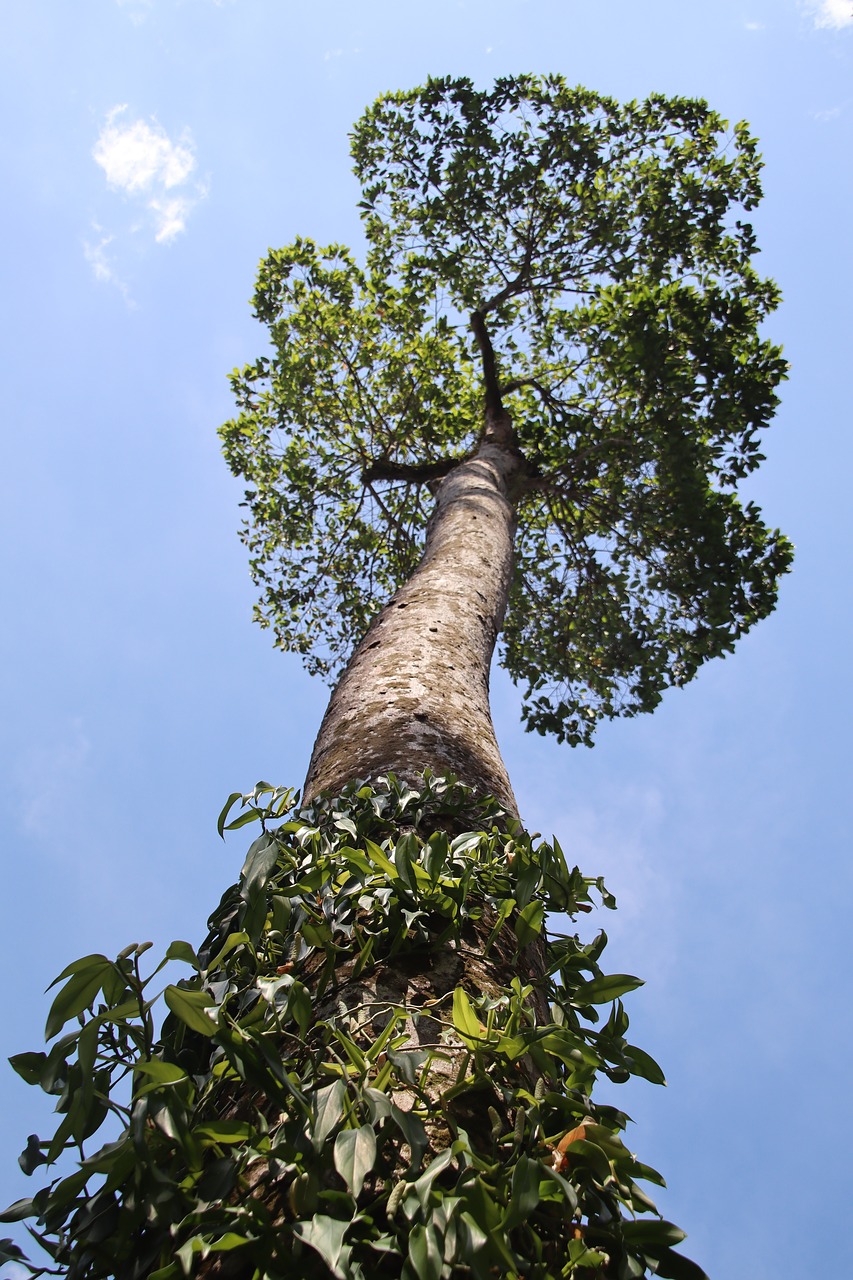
415,693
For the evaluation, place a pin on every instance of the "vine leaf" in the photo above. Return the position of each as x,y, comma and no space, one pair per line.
355,1156
326,1236
190,1007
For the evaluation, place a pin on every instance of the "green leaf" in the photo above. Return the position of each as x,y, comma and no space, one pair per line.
554,1186
351,1050
674,1266
10,1252
110,1156
227,1241
378,857
524,1197
528,923
251,815
182,951
65,1194
404,860
580,1255
300,1008
78,993
426,1252
436,855
32,1155
355,1156
482,1209
647,1173
190,1007
591,1154
170,1272
505,910
94,961
411,1126
602,990
161,1073
652,1232
226,1132
423,1185
18,1211
396,1020
226,809
326,1235
465,1019
29,1066
260,861
642,1064
526,883
327,1109
234,940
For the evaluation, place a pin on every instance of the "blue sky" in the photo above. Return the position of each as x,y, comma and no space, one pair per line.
153,150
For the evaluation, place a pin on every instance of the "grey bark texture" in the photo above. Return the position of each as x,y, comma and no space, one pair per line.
415,693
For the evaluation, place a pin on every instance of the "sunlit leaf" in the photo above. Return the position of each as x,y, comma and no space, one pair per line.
190,1007
355,1155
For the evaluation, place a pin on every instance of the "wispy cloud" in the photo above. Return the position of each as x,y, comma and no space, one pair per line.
156,174
141,160
834,14
754,26
99,259
170,215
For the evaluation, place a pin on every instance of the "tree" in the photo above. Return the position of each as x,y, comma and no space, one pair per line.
525,416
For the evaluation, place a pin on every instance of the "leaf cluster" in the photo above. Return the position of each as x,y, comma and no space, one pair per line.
274,1126
605,251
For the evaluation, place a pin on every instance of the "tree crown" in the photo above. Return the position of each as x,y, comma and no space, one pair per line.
585,266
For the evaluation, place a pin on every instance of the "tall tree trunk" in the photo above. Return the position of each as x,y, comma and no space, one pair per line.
416,691
415,695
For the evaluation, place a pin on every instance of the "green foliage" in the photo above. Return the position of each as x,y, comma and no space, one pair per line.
281,1119
603,247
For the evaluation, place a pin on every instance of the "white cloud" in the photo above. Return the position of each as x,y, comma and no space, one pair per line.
154,172
754,26
96,256
832,13
139,157
99,260
170,217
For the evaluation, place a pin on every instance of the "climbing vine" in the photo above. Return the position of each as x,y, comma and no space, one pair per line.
291,1118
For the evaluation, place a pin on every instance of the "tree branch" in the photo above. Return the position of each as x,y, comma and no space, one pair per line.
513,286
494,404
411,472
